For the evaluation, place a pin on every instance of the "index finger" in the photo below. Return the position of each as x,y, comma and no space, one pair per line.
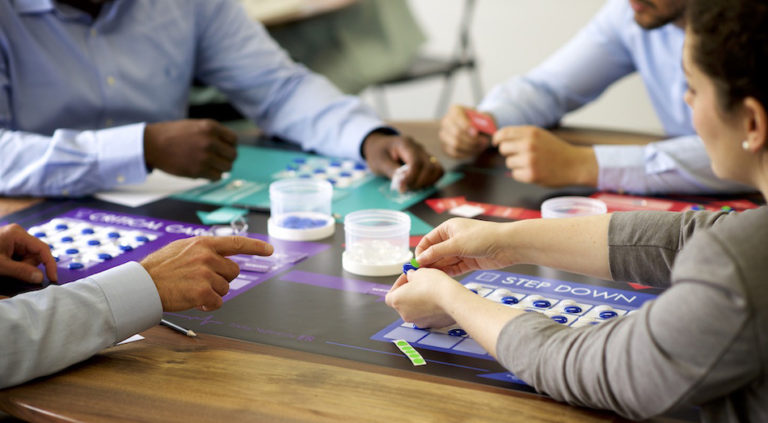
231,245
507,133
42,251
225,133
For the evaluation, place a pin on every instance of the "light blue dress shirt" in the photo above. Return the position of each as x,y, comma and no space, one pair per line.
47,330
76,93
610,47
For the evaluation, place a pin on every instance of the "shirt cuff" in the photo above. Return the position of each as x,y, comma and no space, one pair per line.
132,297
359,129
121,155
621,168
384,130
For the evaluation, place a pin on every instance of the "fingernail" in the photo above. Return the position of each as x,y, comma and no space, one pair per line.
36,277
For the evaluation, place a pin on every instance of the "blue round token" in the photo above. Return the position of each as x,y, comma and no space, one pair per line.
607,314
560,319
359,166
305,176
407,267
509,300
319,171
94,242
332,181
335,163
474,290
39,234
345,174
57,259
61,226
72,251
300,160
457,332
542,304
67,239
87,231
75,265
572,309
697,207
113,235
105,256
126,247
142,238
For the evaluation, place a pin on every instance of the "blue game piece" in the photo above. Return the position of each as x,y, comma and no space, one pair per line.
57,259
509,300
359,166
407,267
335,163
560,319
305,176
142,238
94,242
51,246
72,251
61,227
572,309
300,160
105,256
67,239
345,174
607,314
75,265
332,181
697,207
39,234
457,332
542,304
319,171
113,235
291,168
126,247
87,231
474,290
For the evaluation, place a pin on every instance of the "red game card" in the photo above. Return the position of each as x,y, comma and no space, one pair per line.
483,123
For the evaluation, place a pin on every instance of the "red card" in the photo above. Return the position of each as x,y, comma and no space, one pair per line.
483,123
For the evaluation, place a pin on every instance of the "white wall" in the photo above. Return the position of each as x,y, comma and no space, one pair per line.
511,37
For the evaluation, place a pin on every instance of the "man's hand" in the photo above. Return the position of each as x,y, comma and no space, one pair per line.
194,272
458,137
21,253
385,153
537,156
196,148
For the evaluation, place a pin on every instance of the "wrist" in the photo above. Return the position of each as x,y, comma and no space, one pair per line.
588,169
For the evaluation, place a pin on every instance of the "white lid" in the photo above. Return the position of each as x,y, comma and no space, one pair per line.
572,207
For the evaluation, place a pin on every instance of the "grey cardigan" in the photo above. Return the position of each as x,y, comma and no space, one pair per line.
703,342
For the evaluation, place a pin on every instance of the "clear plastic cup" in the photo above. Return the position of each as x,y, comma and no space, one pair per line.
572,207
300,209
376,242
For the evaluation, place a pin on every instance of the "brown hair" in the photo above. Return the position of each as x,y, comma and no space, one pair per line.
731,47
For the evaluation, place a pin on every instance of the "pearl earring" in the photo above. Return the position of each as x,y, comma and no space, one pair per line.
745,145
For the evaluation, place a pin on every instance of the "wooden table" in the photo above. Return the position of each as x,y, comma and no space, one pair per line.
169,377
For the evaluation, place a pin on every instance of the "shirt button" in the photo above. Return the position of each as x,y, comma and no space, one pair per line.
65,192
110,80
108,122
120,179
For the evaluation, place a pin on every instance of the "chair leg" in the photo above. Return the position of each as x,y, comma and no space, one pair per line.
445,95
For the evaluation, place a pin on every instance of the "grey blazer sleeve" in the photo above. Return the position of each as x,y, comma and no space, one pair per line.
45,331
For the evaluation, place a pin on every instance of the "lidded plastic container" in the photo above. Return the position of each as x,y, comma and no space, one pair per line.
300,209
376,242
572,207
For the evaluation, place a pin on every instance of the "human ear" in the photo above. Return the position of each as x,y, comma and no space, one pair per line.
755,125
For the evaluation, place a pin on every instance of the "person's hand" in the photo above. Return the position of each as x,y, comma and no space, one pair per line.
195,148
385,153
419,297
458,137
461,245
194,272
537,156
21,253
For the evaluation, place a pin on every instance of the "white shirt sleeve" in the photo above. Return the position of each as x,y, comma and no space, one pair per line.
47,330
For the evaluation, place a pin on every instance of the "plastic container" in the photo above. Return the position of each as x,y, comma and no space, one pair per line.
572,207
376,242
300,209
